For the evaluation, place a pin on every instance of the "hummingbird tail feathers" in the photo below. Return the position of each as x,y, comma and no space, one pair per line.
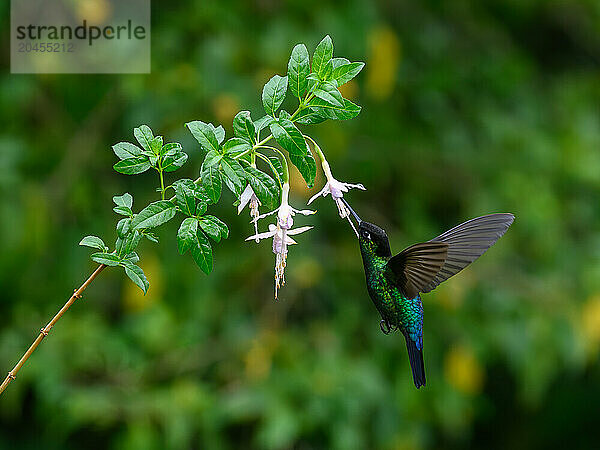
415,357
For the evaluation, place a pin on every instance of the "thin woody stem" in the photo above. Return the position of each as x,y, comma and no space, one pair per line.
44,331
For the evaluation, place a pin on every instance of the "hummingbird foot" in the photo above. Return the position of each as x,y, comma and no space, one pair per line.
385,326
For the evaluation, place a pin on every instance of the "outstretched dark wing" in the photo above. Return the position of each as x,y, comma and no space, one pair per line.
467,242
416,266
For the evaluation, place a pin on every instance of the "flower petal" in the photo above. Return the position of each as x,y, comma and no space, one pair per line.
245,198
259,236
323,192
299,230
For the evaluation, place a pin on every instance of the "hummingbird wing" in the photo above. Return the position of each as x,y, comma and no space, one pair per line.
415,267
467,242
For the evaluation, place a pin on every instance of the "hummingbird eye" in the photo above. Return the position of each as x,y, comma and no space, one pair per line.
366,235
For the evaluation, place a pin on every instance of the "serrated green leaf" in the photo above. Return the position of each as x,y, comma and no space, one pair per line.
128,243
265,187
154,214
186,235
123,200
212,159
199,193
327,91
123,210
93,242
173,162
108,259
204,134
323,54
236,146
298,70
136,274
132,166
344,73
144,136
289,137
273,93
202,252
125,150
243,127
306,166
348,111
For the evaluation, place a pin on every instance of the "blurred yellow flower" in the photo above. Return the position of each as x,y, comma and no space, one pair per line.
225,107
463,371
134,299
590,323
382,63
258,359
95,12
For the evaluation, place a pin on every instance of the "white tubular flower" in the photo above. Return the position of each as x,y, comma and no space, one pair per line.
248,196
281,232
336,189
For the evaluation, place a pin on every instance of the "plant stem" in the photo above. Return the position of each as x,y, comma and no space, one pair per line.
44,331
162,184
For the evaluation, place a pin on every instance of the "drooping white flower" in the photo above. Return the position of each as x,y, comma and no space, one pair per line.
281,232
248,196
336,189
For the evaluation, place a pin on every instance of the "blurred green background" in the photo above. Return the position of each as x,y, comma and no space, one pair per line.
468,108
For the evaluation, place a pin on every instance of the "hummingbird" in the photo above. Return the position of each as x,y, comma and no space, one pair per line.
395,282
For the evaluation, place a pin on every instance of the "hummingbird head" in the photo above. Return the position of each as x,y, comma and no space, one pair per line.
371,238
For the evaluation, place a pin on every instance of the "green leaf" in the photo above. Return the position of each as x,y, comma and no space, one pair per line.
126,150
214,227
204,134
265,187
144,136
276,163
173,162
123,227
94,242
327,91
202,252
186,236
123,210
298,70
219,132
307,167
132,257
211,180
264,121
185,199
108,259
128,243
132,166
289,137
243,127
123,200
136,274
156,145
154,214
344,73
236,146
198,192
171,148
273,93
337,62
323,53
310,116
234,172
348,111
212,159
151,237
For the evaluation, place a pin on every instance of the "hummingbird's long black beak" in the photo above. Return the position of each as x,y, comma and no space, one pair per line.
358,219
